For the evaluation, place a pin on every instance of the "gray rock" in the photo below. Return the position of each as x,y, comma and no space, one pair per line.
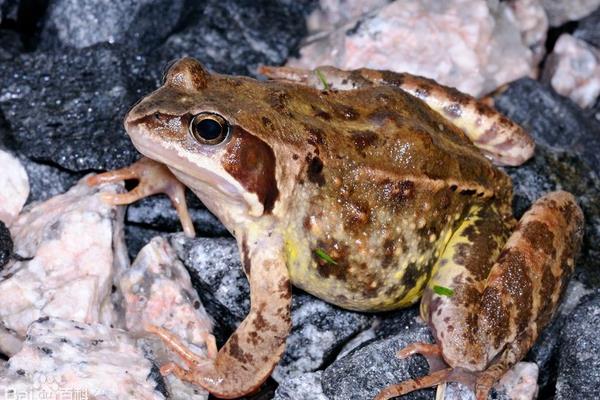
236,36
46,181
544,352
6,245
67,108
136,237
579,364
588,29
158,213
567,157
552,119
366,370
135,23
10,44
302,387
319,329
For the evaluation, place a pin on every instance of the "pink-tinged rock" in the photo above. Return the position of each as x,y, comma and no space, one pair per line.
75,241
64,359
157,290
573,70
561,11
532,20
14,187
332,14
473,45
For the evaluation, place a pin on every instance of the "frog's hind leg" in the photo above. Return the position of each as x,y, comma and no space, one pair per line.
500,139
486,313
503,141
153,178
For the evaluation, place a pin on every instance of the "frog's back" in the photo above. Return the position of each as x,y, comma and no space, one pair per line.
383,186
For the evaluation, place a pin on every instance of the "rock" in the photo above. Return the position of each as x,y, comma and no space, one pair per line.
579,365
587,29
566,157
302,387
471,44
136,237
319,329
216,273
6,245
156,290
158,213
332,14
366,370
373,365
46,181
9,9
14,187
80,98
236,36
573,70
140,24
73,360
533,24
561,11
75,243
520,382
10,44
544,351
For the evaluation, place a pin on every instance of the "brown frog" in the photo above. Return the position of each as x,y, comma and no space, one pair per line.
368,189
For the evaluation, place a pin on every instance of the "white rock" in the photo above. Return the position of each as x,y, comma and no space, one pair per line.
473,45
64,359
520,382
561,11
332,14
157,290
75,240
14,187
532,20
574,70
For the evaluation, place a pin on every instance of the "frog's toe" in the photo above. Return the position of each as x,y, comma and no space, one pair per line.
411,385
153,178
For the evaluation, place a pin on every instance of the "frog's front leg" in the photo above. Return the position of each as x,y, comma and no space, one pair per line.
153,178
255,348
487,315
499,138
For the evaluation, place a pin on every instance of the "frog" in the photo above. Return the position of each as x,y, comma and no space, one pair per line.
371,190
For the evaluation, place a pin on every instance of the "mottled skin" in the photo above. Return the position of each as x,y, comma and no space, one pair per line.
378,171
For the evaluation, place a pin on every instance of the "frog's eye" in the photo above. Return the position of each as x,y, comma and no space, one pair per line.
209,128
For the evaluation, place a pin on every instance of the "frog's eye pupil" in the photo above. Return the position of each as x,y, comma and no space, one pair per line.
209,128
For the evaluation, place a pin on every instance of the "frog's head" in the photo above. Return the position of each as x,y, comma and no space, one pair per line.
197,125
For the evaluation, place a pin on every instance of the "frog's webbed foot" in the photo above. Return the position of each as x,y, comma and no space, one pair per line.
153,178
195,363
255,348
